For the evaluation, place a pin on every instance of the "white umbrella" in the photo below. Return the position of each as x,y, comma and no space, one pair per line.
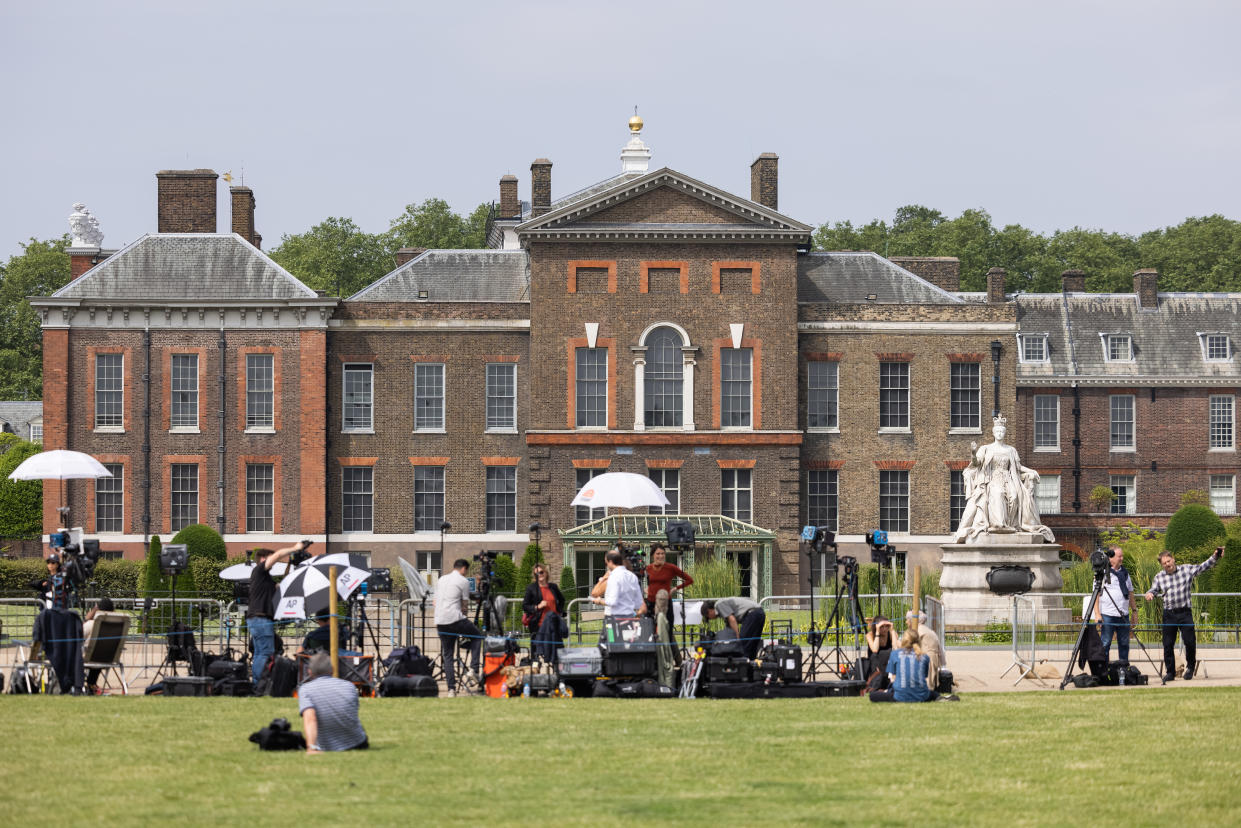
415,580
620,490
62,465
306,589
242,571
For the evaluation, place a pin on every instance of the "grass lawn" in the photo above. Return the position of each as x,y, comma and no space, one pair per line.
1099,757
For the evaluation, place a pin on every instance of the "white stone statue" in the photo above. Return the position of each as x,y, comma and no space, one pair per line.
999,492
84,228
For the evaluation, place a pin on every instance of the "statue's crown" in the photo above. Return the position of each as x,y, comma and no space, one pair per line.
999,421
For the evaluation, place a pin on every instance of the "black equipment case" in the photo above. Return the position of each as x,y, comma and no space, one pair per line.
187,686
579,662
409,686
786,659
728,669
629,648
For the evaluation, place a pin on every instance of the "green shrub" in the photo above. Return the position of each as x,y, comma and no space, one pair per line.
17,574
21,501
117,578
8,439
1195,497
202,579
1226,577
1193,527
1101,497
154,584
201,541
714,578
533,555
506,575
568,587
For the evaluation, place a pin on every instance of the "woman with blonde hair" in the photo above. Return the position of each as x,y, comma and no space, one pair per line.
907,672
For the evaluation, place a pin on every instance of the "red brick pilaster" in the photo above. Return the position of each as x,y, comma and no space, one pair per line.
312,437
55,406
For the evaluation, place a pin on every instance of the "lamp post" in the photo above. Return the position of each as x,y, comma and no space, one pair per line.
996,348
536,529
444,527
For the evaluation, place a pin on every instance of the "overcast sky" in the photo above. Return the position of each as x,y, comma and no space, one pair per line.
1119,115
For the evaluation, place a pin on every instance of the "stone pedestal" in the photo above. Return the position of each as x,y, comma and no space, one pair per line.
967,600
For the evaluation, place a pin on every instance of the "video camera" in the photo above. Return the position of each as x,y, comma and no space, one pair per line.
486,574
1099,562
301,555
77,561
880,551
635,559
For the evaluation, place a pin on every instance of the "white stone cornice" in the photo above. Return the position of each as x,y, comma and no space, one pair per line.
509,325
73,313
1129,381
865,326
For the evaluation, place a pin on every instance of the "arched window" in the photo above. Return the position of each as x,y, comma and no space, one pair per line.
664,378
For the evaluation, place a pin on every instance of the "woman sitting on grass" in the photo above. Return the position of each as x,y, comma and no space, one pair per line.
908,668
880,640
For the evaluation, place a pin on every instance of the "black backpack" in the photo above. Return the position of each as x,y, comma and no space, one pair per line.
408,661
278,736
279,678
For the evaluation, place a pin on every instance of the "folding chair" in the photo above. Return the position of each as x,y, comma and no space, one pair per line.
105,645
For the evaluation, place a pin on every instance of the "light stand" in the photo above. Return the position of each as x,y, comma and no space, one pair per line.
173,560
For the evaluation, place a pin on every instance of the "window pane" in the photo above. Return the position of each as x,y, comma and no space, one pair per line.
1221,425
502,396
966,394
1119,347
260,391
501,499
1047,495
735,494
430,563
1125,489
357,384
956,500
1033,348
894,395
822,388
428,396
428,498
1224,494
585,514
109,390
1046,421
260,492
184,391
110,500
663,378
735,382
669,482
822,498
592,387
358,498
894,501
1217,346
184,495
1122,422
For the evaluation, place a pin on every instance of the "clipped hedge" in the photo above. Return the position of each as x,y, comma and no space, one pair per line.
16,574
506,575
1193,527
118,579
21,501
202,541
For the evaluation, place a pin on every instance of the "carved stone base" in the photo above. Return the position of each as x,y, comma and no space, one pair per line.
967,600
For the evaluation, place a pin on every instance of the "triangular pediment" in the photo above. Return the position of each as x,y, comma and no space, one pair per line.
665,204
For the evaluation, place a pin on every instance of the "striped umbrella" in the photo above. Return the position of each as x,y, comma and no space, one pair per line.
304,592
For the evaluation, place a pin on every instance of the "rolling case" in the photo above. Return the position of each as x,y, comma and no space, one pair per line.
728,670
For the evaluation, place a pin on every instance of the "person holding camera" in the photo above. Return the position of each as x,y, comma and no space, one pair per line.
329,710
622,594
908,675
1174,585
58,627
261,614
743,616
1115,608
452,606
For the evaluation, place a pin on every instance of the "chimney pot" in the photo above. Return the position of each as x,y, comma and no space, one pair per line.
540,187
186,201
1146,286
1073,281
243,214
764,180
510,206
995,285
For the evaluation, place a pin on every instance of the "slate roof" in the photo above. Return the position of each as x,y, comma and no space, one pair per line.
1167,348
849,278
191,267
15,417
455,276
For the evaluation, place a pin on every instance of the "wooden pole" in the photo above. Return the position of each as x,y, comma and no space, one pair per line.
334,629
913,625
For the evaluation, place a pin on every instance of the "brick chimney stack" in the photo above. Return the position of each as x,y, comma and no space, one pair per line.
510,206
764,180
995,285
243,214
1146,286
941,271
540,187
186,201
406,254
1073,281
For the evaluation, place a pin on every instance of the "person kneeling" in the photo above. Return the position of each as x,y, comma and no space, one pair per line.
329,709
908,671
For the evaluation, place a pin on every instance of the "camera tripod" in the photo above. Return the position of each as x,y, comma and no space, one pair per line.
835,660
1088,613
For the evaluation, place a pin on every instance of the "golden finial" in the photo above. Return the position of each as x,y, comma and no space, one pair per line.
635,123
228,176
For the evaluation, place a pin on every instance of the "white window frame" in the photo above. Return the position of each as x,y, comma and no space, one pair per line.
1225,503
499,426
1034,411
427,493
112,486
585,514
1047,494
831,394
430,564
826,490
173,491
261,427
36,431
964,399
421,367
746,415
907,412
671,509
1108,339
1130,506
580,383
173,391
1023,339
367,368
109,427
357,523
1226,424
1204,342
687,381
1112,422
258,514
495,521
736,488
897,500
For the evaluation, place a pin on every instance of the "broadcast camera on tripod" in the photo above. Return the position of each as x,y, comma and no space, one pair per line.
821,545
489,605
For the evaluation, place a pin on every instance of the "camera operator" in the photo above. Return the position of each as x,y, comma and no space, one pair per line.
1174,585
329,710
452,606
59,627
1115,608
260,617
743,616
622,594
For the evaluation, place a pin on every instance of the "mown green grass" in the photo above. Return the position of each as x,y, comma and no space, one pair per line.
1135,756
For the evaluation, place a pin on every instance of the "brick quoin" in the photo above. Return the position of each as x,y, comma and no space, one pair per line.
55,414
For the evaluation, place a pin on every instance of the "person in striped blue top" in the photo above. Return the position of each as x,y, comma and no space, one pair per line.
908,670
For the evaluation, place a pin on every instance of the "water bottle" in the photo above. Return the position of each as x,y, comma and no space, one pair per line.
1120,674
561,690
525,690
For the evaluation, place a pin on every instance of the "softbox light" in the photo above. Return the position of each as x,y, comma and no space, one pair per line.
679,533
174,558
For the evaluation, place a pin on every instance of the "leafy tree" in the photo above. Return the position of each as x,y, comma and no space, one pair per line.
433,225
506,576
21,501
41,269
525,573
335,256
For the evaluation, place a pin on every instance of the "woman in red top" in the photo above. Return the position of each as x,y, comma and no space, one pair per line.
659,575
543,605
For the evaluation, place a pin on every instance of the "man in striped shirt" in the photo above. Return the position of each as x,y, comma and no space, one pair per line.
1174,584
329,708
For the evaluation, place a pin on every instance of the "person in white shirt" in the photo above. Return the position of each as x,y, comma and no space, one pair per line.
452,604
623,596
1115,608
